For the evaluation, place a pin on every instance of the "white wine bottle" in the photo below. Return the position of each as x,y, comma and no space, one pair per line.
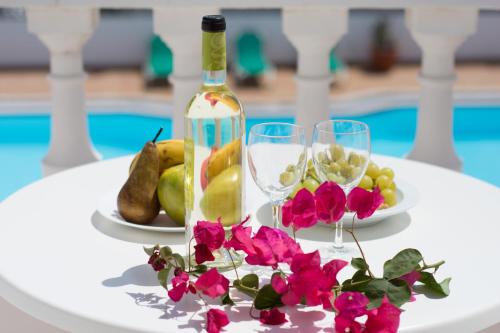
214,145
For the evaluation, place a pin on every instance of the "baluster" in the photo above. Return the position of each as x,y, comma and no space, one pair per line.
180,28
439,32
64,31
313,31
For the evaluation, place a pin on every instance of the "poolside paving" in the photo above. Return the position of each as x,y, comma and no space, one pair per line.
277,87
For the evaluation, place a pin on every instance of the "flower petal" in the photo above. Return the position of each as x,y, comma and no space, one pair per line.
272,317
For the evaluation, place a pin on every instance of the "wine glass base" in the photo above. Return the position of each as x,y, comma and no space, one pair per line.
331,252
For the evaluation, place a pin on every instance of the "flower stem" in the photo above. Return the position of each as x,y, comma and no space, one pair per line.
435,265
234,265
351,232
189,254
293,231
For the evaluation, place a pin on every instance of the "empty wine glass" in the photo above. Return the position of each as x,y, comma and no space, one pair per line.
276,158
341,153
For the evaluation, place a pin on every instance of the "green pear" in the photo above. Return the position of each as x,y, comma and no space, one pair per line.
222,197
137,200
171,193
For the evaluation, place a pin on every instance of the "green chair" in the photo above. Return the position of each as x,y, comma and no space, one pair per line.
159,62
250,58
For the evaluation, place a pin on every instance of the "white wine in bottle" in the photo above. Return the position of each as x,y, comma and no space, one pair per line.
214,145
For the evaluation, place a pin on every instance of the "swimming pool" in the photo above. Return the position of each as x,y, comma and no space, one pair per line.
24,139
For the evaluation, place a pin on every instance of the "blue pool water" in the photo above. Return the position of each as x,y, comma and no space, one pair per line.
24,139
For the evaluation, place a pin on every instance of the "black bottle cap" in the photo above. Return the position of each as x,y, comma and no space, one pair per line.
213,23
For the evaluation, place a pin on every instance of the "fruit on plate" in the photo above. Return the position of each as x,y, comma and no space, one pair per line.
341,169
221,197
137,201
170,152
171,193
223,158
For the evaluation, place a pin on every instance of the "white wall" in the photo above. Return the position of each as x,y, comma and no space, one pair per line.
121,40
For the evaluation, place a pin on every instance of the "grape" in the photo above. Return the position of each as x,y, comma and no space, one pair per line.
389,197
373,170
334,167
366,182
337,152
387,172
346,170
383,182
323,157
311,184
355,172
335,178
354,159
297,188
393,186
287,178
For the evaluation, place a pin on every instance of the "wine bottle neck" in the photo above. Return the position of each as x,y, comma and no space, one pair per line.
214,58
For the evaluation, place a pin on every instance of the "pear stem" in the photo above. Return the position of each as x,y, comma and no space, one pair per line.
158,134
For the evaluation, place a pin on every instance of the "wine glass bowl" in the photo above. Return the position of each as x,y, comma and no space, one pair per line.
341,153
276,159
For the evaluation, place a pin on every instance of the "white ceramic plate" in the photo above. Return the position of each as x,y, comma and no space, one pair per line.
107,208
407,196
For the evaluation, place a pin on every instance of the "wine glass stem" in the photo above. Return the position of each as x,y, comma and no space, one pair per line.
276,214
338,242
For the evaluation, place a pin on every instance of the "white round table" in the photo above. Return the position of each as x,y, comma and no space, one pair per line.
62,263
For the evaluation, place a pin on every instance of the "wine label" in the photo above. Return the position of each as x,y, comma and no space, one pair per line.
214,51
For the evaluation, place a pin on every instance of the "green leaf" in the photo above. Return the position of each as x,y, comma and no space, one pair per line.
359,264
403,263
166,252
251,281
357,283
200,268
150,250
431,287
179,261
398,292
375,290
247,291
267,298
226,299
163,276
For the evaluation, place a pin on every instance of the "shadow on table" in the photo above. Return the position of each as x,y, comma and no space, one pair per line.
388,227
133,235
141,275
190,313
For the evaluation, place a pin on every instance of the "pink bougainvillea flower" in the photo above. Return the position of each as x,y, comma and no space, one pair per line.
308,281
216,319
241,238
202,254
279,284
180,286
157,262
411,278
331,269
272,246
300,212
364,202
212,283
351,304
209,233
347,325
384,319
272,317
330,202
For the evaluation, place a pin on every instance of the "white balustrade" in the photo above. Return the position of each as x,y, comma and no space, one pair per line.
313,31
180,27
439,32
439,27
64,31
